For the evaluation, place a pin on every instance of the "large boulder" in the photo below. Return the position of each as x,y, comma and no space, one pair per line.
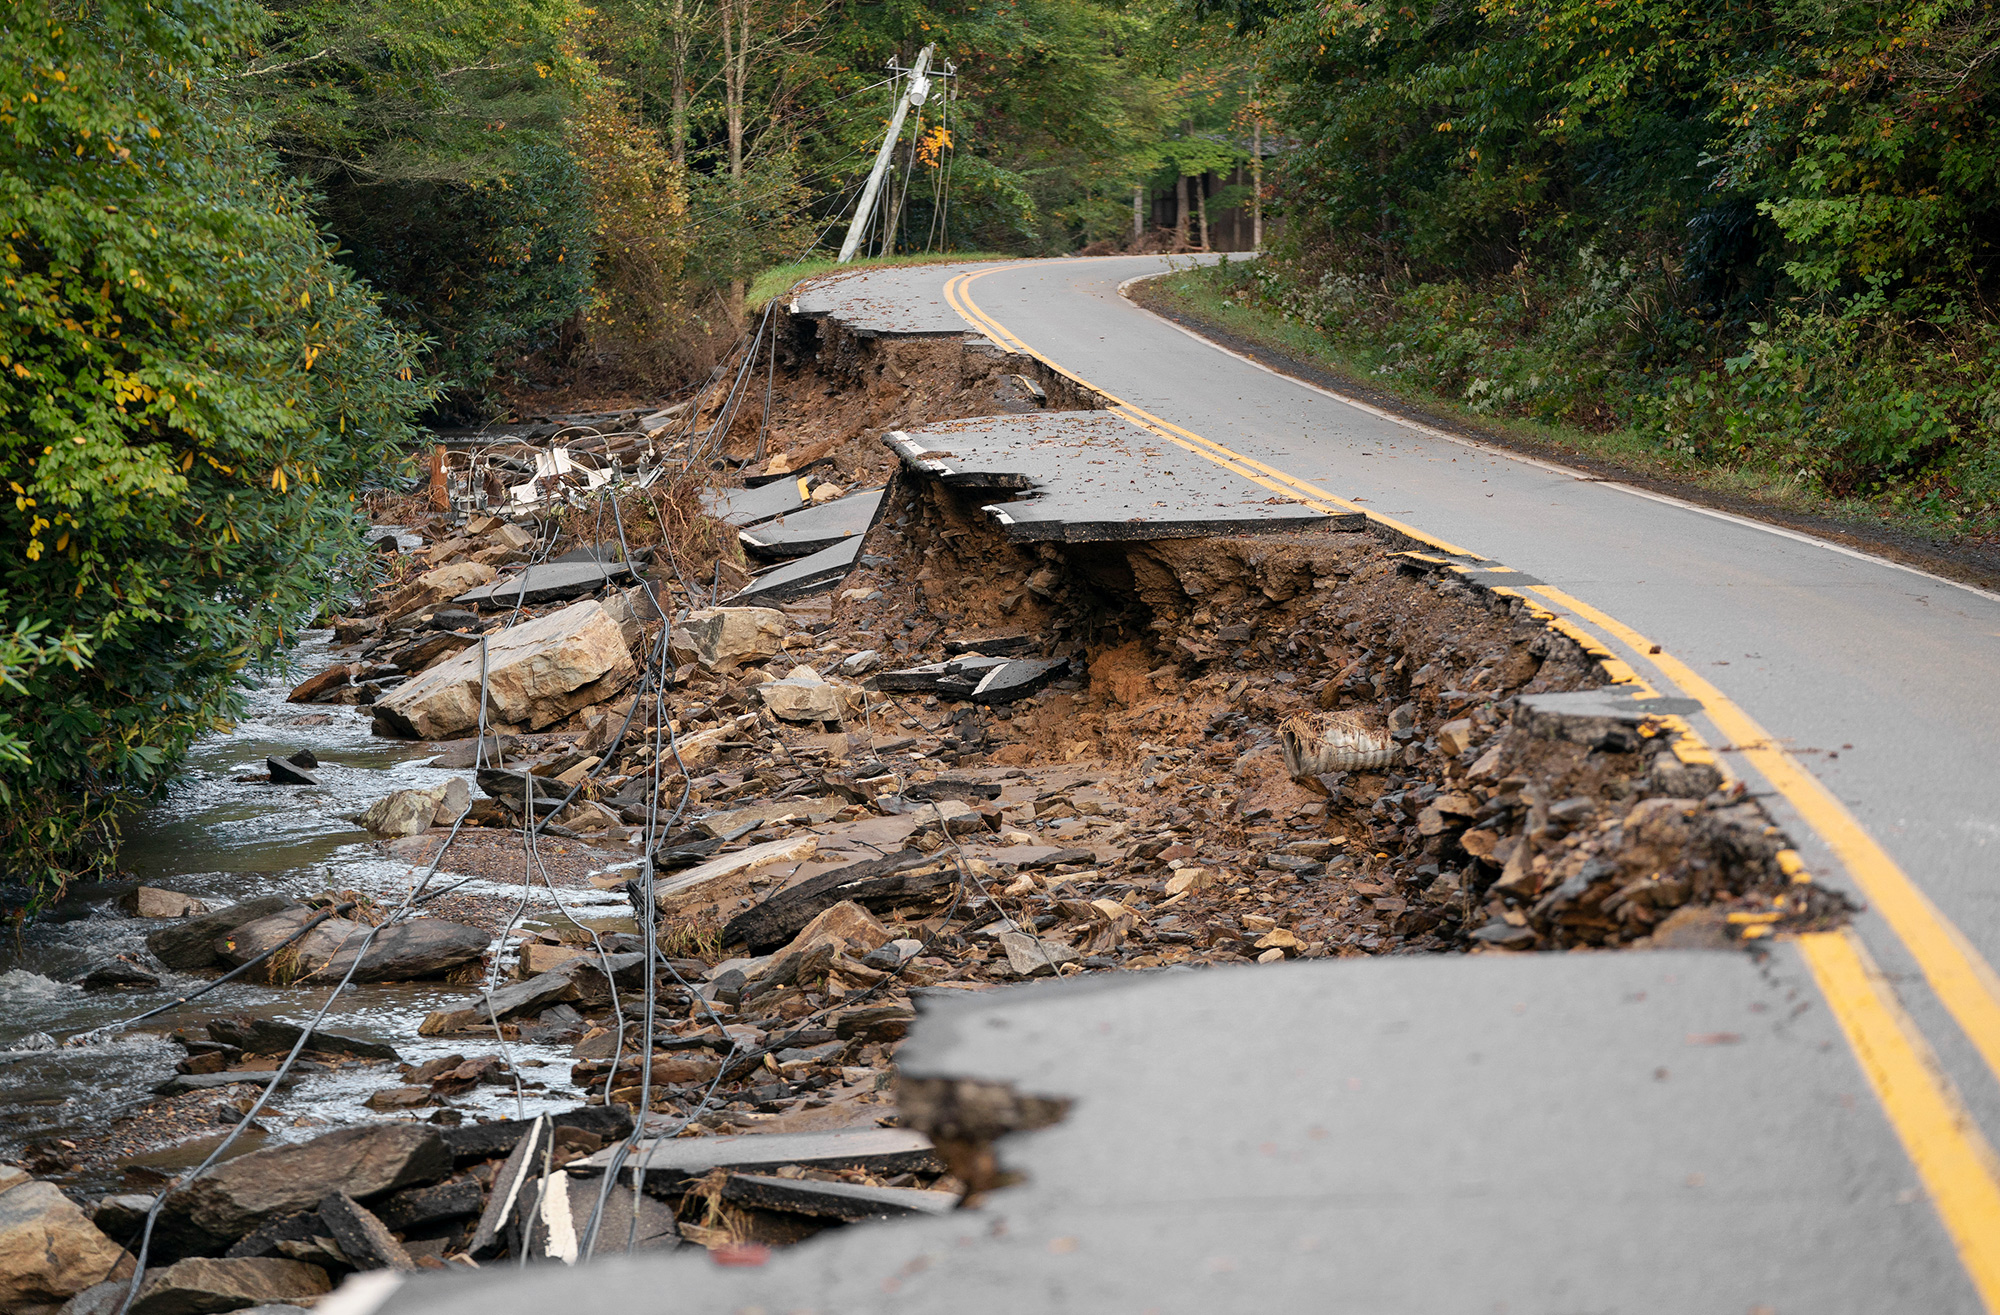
237,1195
731,636
191,944
536,674
404,952
413,812
806,696
433,587
49,1250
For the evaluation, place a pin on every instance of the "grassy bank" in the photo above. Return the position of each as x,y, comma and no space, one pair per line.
773,283
1238,299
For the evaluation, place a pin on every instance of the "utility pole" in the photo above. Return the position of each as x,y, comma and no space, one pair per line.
1257,181
919,87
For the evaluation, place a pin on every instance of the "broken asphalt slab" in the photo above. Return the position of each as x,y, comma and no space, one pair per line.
741,507
547,583
1547,1132
805,575
812,529
1096,477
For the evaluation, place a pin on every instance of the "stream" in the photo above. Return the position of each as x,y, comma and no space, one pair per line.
224,840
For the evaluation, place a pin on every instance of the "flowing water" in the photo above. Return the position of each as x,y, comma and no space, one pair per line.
224,840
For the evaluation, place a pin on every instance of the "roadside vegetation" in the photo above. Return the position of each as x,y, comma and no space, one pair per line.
1753,241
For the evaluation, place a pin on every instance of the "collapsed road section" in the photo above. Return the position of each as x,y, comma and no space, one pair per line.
843,805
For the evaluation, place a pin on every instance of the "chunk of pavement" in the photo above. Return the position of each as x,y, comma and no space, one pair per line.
155,902
797,534
1034,958
741,507
472,1142
191,944
657,1230
860,664
119,975
1588,715
670,1161
274,1036
413,1207
546,582
535,674
413,812
399,952
829,1200
49,1250
236,1195
731,636
953,678
284,773
203,1285
806,696
904,877
1009,645
1017,679
803,575
364,1239
511,1182
465,753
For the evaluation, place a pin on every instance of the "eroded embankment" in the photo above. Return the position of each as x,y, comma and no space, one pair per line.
1473,821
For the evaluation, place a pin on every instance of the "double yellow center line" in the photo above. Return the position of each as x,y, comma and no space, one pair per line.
1951,1156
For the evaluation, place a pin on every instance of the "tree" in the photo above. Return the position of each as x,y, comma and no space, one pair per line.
190,386
436,137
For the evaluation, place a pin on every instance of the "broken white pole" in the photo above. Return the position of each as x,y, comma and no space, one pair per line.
919,88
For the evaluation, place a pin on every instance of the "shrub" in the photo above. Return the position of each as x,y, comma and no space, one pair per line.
189,386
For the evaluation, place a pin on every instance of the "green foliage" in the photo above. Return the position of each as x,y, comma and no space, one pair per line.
1752,229
189,385
437,137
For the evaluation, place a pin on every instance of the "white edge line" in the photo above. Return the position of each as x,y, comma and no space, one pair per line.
1495,450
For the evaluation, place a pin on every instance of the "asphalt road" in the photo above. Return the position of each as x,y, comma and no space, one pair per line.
1880,682
1629,1132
